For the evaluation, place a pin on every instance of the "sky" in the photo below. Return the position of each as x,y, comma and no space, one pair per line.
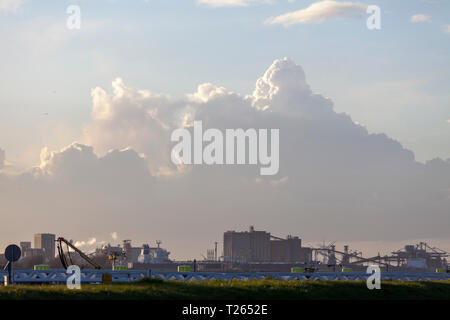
361,115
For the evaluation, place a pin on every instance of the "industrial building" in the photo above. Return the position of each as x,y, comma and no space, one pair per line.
246,247
28,251
261,250
25,246
248,251
289,250
413,257
419,256
46,242
260,246
129,254
252,246
153,254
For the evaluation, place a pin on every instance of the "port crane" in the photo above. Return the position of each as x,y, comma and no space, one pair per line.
63,258
330,253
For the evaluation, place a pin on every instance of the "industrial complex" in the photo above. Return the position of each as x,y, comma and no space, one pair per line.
261,246
260,251
246,251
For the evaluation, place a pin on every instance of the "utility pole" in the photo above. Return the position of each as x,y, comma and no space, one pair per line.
215,251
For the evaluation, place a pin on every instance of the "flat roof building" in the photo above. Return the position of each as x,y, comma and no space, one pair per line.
25,246
248,246
257,246
46,242
286,250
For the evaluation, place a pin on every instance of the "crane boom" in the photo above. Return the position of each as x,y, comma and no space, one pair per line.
81,253
360,259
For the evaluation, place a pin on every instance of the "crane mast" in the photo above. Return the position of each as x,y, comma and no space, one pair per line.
60,240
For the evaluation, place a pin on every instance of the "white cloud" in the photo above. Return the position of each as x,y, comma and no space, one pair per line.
420,18
319,12
89,243
132,118
230,3
10,5
79,164
332,171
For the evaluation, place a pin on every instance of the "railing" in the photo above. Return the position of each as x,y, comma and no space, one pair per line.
396,276
95,276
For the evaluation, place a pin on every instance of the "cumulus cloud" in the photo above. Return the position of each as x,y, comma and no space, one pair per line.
230,3
10,5
319,12
336,179
90,242
89,245
132,118
79,164
417,18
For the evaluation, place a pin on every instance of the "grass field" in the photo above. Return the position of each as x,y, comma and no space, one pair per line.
235,290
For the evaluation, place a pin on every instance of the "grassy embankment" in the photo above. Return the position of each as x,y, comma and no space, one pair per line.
235,290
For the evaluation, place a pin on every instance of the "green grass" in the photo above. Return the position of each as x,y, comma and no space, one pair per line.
236,290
